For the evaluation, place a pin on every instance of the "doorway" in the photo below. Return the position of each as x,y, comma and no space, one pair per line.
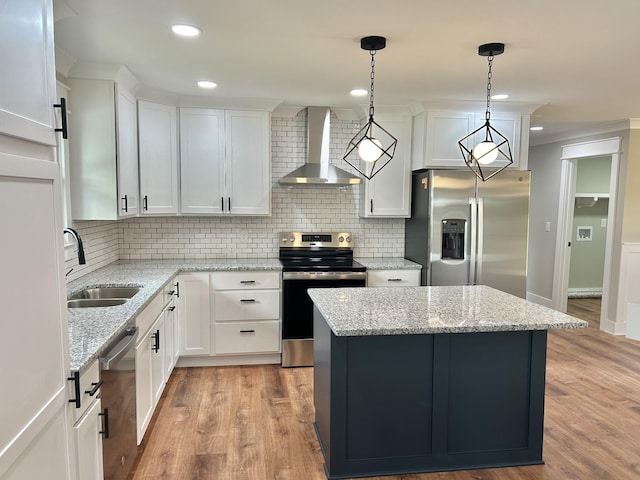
605,155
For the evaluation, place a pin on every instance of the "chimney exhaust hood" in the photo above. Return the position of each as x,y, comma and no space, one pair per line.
318,170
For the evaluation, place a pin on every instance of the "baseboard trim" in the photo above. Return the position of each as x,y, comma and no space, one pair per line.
547,302
214,361
584,293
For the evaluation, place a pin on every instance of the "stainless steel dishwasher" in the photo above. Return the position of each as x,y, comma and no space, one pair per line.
118,395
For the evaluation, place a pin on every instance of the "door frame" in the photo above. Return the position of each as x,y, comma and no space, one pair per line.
570,155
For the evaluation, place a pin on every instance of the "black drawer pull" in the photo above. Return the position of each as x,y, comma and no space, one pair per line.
105,430
171,308
126,204
247,282
248,300
171,292
394,279
178,289
248,331
75,378
95,388
156,337
63,117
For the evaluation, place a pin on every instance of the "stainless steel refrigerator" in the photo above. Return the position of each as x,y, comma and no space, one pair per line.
465,232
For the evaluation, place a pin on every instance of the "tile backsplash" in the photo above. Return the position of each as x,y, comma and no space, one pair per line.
292,208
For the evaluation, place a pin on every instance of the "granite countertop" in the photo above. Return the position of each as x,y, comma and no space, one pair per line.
428,310
388,263
92,329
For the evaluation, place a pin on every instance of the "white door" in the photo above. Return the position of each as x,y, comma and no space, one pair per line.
27,82
158,139
127,157
89,444
34,348
194,314
248,164
202,161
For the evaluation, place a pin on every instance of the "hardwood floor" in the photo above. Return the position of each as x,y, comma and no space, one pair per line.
256,422
586,308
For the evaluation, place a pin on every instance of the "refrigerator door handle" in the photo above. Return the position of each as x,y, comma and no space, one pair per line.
472,235
479,240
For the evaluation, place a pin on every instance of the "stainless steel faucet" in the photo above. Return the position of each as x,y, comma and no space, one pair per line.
74,234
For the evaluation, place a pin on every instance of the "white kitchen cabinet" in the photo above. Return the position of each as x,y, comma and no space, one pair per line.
170,340
158,160
436,134
144,391
388,193
225,165
158,356
393,278
194,314
246,312
88,439
103,150
27,85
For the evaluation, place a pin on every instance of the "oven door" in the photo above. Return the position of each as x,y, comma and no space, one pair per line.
297,311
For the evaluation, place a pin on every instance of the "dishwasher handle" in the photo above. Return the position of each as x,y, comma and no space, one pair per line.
120,348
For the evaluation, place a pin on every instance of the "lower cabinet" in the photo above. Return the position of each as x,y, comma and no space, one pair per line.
194,314
393,278
88,439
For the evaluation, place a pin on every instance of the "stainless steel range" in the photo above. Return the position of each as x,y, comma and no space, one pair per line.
311,260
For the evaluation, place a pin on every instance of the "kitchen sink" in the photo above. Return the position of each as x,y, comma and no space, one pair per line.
106,293
95,302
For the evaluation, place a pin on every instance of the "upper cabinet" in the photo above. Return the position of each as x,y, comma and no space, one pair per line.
436,134
388,193
103,145
158,139
225,162
27,88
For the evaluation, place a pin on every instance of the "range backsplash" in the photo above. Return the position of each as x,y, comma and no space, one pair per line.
292,208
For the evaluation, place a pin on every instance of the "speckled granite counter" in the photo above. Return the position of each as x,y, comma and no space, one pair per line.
427,310
388,263
91,329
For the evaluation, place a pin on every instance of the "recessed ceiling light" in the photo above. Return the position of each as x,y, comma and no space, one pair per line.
186,30
499,96
358,92
536,129
207,84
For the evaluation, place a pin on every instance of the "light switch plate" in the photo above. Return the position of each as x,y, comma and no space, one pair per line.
603,222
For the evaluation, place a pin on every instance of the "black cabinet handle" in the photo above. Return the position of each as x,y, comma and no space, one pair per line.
126,204
171,292
178,289
222,203
156,337
247,282
229,202
75,378
63,117
371,208
171,308
394,279
145,203
248,331
95,388
247,300
105,423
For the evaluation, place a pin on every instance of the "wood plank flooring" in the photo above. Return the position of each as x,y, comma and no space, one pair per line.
256,422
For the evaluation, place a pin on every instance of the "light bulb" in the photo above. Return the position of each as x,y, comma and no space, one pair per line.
370,150
485,153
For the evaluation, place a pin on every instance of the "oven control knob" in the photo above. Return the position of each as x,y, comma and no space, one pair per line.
291,239
340,239
348,239
284,240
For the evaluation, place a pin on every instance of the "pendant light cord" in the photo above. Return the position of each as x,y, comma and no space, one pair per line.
373,67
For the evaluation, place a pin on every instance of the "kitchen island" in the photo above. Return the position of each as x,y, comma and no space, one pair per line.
421,379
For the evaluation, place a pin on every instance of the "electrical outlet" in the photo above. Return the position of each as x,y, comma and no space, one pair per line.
547,226
603,222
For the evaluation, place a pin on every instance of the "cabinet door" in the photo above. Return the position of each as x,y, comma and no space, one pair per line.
157,337
509,126
248,163
194,314
127,156
443,131
27,84
34,350
89,444
202,161
158,139
144,396
388,194
169,340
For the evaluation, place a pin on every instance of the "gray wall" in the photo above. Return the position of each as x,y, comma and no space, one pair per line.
587,257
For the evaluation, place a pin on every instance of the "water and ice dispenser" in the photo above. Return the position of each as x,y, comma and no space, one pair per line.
453,239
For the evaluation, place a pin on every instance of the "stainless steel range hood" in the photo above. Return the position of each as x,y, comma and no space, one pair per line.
318,170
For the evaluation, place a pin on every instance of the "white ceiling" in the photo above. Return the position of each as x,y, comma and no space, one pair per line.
576,58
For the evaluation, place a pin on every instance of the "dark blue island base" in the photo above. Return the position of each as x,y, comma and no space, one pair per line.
394,404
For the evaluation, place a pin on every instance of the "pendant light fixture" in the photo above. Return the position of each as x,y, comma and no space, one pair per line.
373,146
490,144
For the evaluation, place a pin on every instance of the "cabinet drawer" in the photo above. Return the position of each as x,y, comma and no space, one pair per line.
249,305
247,337
145,319
393,278
245,280
88,380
